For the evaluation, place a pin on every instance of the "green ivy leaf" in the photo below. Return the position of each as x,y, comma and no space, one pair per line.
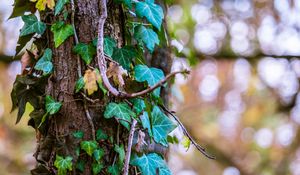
146,123
86,52
61,32
114,170
89,146
44,64
138,105
63,164
32,25
20,7
79,84
151,11
147,36
121,111
151,75
78,134
96,168
100,135
161,126
52,107
150,163
109,45
186,142
124,56
120,150
59,6
80,165
98,154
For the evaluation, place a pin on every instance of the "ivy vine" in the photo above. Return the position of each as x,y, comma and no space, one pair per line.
146,115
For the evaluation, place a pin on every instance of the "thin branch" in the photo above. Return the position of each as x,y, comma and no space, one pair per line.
187,134
79,69
129,146
103,64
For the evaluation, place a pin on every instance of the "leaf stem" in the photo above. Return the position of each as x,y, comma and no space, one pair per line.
129,146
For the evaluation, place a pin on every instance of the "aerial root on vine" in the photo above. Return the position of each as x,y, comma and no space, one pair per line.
187,134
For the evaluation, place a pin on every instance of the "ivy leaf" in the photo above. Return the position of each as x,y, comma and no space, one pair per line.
150,164
78,134
63,164
147,36
89,146
79,84
146,123
138,105
100,135
52,107
86,52
96,168
124,56
59,6
41,4
109,45
120,150
44,64
121,111
151,11
114,169
20,7
90,81
98,154
161,126
80,165
151,75
32,25
61,32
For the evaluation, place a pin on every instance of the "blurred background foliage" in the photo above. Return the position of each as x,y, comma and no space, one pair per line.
241,100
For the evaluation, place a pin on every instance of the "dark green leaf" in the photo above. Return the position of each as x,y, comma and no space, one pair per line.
138,105
80,165
22,41
120,150
100,135
147,36
59,6
150,164
109,45
20,7
151,75
151,11
121,111
79,84
114,170
61,32
86,52
52,107
63,165
96,168
161,126
124,56
89,146
78,134
98,154
44,64
32,25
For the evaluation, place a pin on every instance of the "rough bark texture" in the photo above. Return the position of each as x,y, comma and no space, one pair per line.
71,117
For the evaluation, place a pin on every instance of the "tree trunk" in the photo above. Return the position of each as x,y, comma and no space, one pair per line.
72,116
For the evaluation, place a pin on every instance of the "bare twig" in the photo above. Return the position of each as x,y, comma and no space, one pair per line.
129,146
79,69
103,65
89,99
187,134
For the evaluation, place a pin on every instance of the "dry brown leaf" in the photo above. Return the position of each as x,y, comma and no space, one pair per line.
90,81
116,72
27,61
140,141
